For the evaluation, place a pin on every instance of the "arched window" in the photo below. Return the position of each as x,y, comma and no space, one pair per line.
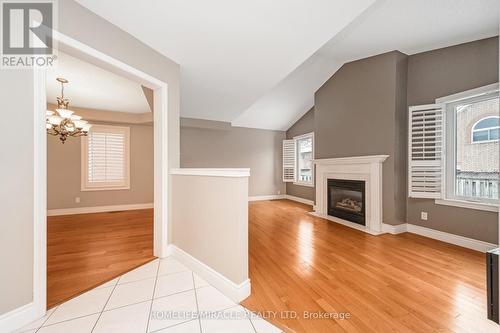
486,130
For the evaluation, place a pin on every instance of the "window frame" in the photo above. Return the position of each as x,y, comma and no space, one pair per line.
449,161
296,140
483,129
105,186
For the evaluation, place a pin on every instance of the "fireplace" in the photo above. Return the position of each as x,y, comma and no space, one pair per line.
346,200
366,171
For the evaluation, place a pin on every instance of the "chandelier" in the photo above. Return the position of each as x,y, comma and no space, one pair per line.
63,122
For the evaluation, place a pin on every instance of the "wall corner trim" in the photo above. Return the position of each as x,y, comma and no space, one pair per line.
394,229
19,317
301,200
236,292
98,209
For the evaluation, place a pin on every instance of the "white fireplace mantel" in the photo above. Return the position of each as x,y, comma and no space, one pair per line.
365,168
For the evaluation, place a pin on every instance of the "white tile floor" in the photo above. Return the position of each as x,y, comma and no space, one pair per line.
162,296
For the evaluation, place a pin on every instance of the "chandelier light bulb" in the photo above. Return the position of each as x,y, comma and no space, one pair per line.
80,123
55,120
65,113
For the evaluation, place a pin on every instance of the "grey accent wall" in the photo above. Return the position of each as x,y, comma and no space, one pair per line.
17,191
304,125
64,167
213,144
360,111
401,139
440,73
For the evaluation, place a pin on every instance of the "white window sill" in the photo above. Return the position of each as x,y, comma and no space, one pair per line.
468,204
303,184
104,188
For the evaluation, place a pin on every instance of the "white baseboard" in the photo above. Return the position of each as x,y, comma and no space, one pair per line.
266,197
446,237
169,251
280,196
97,209
301,200
462,241
469,243
232,290
18,318
394,229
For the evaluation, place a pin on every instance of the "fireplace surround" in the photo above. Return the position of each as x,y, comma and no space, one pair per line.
367,169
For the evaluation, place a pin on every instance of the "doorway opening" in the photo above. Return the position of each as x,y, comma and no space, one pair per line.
100,156
160,159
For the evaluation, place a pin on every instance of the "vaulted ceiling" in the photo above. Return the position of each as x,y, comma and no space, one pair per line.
258,63
406,25
230,52
92,87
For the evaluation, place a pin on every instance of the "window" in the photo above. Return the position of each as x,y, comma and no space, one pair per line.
304,159
486,130
454,149
472,162
106,158
298,155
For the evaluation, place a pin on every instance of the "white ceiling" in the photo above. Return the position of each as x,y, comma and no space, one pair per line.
94,88
258,63
230,52
406,25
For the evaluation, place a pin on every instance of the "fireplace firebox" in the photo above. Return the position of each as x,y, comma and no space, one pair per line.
346,200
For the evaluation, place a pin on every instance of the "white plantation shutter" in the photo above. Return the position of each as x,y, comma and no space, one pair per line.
106,158
425,153
289,154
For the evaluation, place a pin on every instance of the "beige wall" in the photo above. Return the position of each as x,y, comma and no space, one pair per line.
210,222
304,125
441,73
16,191
17,210
212,144
357,112
64,171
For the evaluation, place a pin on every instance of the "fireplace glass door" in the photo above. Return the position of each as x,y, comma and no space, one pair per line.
346,200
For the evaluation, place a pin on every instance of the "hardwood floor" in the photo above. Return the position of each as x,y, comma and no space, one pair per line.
86,250
387,283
